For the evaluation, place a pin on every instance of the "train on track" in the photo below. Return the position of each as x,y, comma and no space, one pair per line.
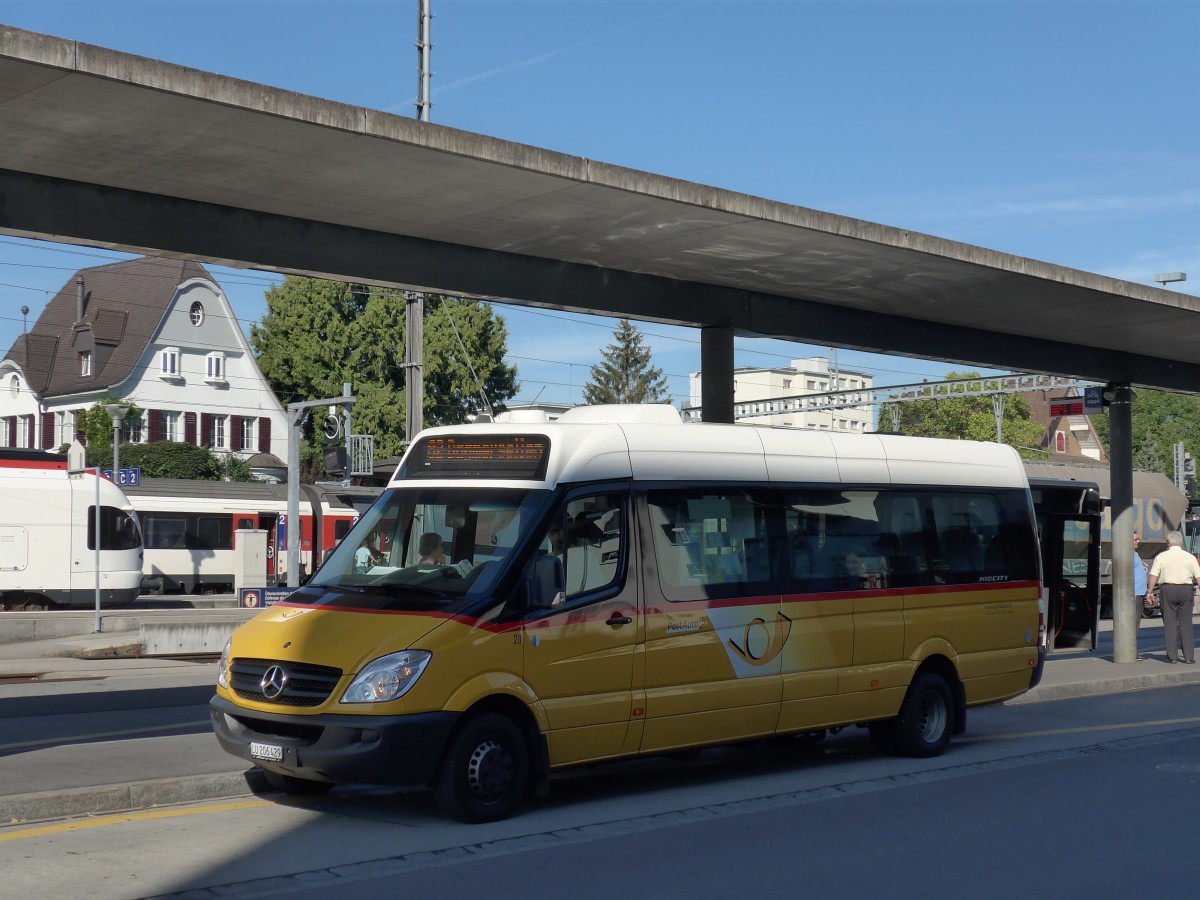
49,520
190,528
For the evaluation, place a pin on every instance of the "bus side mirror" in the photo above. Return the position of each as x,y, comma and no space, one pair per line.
544,583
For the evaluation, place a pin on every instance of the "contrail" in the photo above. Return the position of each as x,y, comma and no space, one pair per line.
536,60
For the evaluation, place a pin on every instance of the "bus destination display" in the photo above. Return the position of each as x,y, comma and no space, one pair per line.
486,456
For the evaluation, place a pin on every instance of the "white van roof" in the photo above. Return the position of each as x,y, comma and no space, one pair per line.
652,442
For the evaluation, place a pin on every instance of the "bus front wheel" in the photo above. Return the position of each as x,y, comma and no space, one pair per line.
485,770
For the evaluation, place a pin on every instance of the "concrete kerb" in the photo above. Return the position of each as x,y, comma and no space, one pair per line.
130,635
114,799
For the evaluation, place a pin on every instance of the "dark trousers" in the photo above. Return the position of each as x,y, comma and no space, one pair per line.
1177,620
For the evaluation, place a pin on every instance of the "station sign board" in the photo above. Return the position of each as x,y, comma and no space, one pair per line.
127,476
258,598
1066,406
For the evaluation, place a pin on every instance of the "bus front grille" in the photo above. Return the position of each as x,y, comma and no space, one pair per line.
282,682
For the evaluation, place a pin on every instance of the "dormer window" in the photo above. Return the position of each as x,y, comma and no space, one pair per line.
169,363
215,367
85,363
196,313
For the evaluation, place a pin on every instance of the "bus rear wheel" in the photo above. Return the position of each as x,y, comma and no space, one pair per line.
484,771
926,718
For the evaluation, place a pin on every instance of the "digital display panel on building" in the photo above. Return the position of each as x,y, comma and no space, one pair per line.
521,456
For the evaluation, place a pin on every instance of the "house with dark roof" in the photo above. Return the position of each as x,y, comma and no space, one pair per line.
1067,438
159,333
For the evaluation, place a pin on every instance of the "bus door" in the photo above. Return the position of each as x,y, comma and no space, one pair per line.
578,647
1072,576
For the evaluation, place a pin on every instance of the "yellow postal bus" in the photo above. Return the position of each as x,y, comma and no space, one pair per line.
530,596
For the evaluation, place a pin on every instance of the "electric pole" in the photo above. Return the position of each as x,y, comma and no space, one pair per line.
414,312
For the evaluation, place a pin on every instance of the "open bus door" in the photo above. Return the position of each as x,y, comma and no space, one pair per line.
1072,573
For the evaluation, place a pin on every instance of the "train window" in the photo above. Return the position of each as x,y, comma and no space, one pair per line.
164,532
244,524
340,529
118,531
214,532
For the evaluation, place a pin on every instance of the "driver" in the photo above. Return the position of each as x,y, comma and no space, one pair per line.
430,549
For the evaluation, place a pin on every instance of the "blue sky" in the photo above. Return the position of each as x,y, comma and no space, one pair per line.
1062,131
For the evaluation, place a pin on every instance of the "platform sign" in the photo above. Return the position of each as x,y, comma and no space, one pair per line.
130,476
258,598
1093,400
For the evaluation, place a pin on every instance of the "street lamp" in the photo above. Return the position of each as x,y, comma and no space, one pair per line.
117,412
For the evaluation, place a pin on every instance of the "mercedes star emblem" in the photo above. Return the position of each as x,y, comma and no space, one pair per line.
273,682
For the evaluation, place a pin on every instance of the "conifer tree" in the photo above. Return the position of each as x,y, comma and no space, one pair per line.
625,374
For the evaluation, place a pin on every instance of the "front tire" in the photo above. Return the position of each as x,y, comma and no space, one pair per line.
926,718
485,770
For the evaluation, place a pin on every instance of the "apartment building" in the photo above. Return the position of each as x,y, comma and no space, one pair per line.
772,396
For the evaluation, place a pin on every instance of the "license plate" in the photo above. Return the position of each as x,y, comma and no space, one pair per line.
267,752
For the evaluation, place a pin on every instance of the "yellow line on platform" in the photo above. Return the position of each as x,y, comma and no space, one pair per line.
120,818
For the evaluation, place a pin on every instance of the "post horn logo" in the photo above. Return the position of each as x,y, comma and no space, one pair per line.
749,651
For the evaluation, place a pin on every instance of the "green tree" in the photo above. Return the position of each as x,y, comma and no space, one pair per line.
1159,420
961,415
97,430
625,374
317,334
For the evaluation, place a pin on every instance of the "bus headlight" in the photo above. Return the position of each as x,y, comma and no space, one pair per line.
387,678
223,666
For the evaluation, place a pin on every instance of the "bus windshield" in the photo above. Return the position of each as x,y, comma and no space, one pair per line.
431,546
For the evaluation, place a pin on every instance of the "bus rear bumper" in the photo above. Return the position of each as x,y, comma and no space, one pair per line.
1038,669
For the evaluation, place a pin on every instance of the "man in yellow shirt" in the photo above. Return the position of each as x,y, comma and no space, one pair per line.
1176,572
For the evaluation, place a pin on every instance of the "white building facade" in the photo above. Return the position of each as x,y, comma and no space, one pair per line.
770,396
157,333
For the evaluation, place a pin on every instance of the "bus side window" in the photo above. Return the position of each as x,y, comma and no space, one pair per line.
591,544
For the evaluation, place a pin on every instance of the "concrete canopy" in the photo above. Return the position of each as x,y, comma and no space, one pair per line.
114,150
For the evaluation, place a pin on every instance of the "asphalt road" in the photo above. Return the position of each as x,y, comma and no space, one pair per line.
1031,800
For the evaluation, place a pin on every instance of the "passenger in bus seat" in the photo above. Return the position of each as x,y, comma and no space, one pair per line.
366,555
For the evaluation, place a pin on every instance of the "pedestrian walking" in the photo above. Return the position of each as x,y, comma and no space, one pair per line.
1139,578
1175,572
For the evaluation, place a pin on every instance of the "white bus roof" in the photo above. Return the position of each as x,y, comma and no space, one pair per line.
651,442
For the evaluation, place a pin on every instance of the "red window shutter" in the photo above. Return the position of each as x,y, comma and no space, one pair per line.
206,429
47,431
12,431
154,417
264,435
235,433
189,428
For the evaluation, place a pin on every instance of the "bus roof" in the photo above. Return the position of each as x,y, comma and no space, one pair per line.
652,442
